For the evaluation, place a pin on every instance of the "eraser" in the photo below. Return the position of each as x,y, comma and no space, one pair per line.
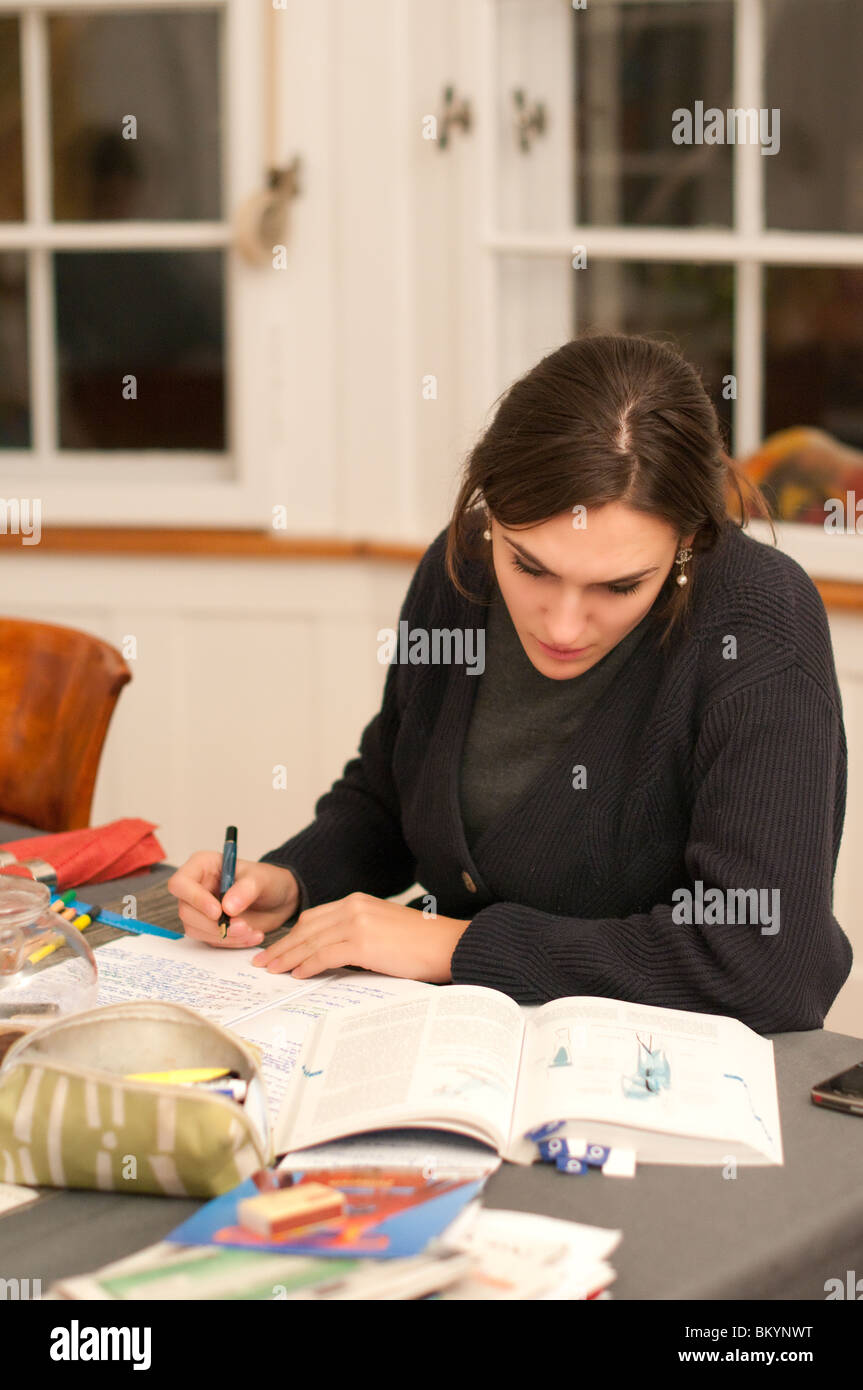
272,1213
619,1164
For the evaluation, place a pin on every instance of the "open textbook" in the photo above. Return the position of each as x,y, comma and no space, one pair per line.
350,1052
677,1087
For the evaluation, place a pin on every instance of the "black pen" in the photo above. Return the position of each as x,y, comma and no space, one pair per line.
226,878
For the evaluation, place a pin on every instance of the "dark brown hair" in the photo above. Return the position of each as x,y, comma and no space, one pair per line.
607,417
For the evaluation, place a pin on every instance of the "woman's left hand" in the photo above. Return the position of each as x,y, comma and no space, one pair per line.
370,932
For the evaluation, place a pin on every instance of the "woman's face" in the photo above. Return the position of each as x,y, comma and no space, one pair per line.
573,601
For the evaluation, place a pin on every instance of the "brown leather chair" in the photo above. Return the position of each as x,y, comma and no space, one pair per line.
58,689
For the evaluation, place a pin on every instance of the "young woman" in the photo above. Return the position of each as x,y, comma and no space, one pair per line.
610,746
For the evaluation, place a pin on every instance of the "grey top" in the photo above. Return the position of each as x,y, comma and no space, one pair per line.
522,720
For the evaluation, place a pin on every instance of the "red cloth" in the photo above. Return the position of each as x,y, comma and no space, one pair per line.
93,854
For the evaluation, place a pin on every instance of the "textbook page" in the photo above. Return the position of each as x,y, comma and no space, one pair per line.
448,1060
680,1087
223,985
281,1029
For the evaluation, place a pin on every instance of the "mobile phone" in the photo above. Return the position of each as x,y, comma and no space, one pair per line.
842,1092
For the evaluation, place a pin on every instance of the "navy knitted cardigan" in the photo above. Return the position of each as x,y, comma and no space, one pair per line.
717,764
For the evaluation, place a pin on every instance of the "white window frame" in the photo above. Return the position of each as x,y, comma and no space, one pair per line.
747,246
152,487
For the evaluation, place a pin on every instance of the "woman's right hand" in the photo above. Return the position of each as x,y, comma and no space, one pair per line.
262,898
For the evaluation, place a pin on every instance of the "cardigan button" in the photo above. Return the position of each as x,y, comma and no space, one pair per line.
468,881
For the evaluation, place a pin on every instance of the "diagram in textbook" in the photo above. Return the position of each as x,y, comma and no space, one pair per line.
652,1074
562,1049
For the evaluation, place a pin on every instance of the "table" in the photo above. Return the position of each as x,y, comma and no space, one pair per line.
688,1233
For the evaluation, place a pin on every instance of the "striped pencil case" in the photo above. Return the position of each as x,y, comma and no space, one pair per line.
71,1117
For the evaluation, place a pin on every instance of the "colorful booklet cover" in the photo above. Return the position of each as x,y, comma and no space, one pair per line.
388,1214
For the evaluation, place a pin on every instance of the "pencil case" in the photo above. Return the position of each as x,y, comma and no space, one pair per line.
70,1117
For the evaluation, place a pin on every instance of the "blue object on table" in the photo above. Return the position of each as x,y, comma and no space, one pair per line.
576,1166
543,1131
550,1150
131,924
596,1155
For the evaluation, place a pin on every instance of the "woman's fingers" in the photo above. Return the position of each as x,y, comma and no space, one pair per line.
246,890
325,950
259,900
195,886
203,928
197,882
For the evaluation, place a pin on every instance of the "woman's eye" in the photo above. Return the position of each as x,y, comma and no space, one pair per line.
612,588
537,574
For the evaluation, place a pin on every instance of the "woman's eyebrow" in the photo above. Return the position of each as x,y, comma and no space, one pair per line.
625,579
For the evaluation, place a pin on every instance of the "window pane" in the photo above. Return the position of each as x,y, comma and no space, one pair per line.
156,316
14,377
160,68
635,66
11,157
813,77
693,305
814,350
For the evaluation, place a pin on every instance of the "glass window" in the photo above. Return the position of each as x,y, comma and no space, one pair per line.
11,153
14,375
812,75
140,349
636,65
135,116
814,349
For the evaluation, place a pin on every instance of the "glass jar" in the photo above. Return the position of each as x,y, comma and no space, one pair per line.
37,982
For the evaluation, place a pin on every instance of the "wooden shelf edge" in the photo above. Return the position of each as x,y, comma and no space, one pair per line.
841,595
244,544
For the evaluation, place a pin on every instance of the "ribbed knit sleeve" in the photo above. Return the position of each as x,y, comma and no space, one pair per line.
355,843
769,773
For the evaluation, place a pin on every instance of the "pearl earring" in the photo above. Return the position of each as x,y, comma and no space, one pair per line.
682,556
487,535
